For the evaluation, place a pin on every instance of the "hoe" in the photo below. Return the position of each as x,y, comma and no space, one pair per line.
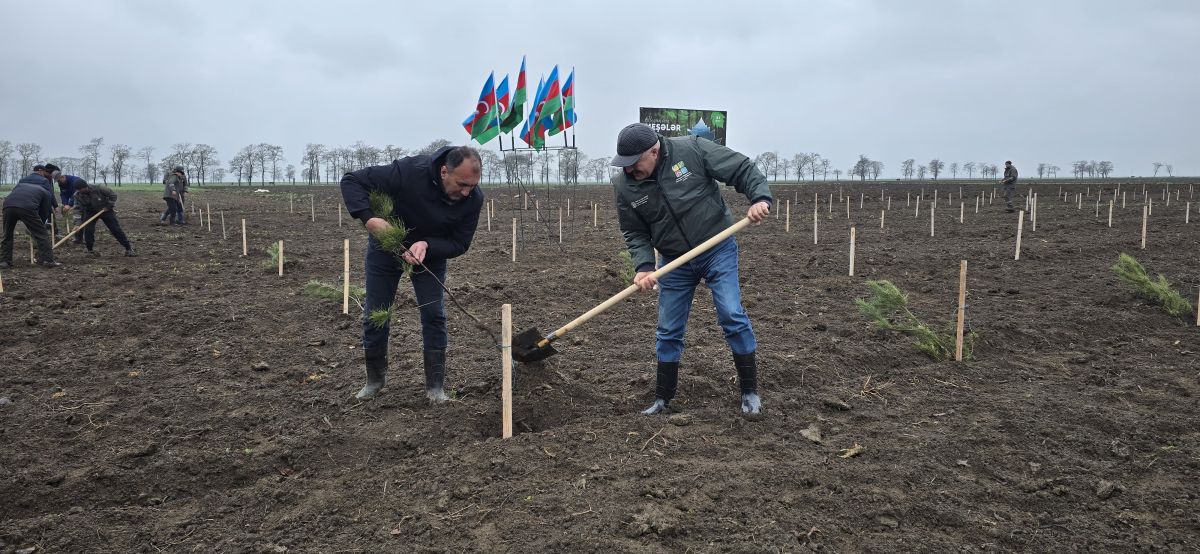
531,346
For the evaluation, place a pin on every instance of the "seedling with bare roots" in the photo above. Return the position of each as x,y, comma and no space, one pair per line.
1157,291
888,308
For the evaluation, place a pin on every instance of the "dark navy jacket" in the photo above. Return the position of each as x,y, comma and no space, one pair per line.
66,191
415,185
35,179
30,196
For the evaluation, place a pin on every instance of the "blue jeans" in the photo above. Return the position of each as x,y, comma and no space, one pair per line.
719,270
383,276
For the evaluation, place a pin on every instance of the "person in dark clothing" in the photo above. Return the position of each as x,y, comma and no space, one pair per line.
66,193
436,197
41,178
28,203
668,199
90,200
174,187
1010,183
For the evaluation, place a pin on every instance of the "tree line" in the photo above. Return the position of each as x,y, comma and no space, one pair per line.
319,163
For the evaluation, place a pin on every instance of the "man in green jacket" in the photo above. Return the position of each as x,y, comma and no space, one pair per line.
667,199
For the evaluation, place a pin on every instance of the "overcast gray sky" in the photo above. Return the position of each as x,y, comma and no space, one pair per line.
1031,81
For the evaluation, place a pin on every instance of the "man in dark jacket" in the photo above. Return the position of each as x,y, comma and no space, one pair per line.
667,199
90,199
41,178
66,193
437,199
28,203
1010,183
174,187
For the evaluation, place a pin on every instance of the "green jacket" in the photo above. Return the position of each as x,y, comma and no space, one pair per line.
680,206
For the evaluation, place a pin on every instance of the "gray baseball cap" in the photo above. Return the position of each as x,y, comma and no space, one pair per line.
634,140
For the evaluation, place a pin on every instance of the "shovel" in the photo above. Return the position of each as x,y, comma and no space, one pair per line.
531,346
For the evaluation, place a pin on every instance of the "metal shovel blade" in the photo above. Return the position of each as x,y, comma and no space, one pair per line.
525,347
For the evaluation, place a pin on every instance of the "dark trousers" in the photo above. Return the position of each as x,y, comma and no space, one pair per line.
37,229
383,276
110,220
174,213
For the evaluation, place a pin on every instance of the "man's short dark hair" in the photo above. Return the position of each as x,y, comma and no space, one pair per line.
1007,162
457,155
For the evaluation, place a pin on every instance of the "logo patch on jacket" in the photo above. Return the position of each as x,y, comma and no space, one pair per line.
680,170
640,201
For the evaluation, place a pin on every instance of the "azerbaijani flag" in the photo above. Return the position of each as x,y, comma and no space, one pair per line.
481,124
516,112
533,132
550,102
562,123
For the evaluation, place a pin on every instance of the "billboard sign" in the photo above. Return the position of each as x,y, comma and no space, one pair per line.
678,122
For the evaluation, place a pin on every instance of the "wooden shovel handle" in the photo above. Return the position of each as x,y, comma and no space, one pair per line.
683,259
79,228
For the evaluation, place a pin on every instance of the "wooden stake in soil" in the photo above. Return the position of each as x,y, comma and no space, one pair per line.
1149,206
568,208
962,210
976,204
291,203
932,208
2,289
1122,200
908,199
209,211
560,216
595,215
1020,227
346,276
831,202
1145,216
1187,212
537,210
917,210
506,371
787,220
889,205
881,212
224,235
852,251
312,207
514,241
860,200
962,310
244,251
814,224
1033,218
281,258
489,217
1110,210
847,207
340,216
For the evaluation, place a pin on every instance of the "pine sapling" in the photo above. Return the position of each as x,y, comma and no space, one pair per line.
1157,291
379,317
627,269
326,291
272,260
888,308
390,240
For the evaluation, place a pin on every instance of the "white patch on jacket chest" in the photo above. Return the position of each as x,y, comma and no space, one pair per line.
640,201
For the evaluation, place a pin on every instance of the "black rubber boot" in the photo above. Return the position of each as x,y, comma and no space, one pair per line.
747,370
376,371
666,382
129,252
435,376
